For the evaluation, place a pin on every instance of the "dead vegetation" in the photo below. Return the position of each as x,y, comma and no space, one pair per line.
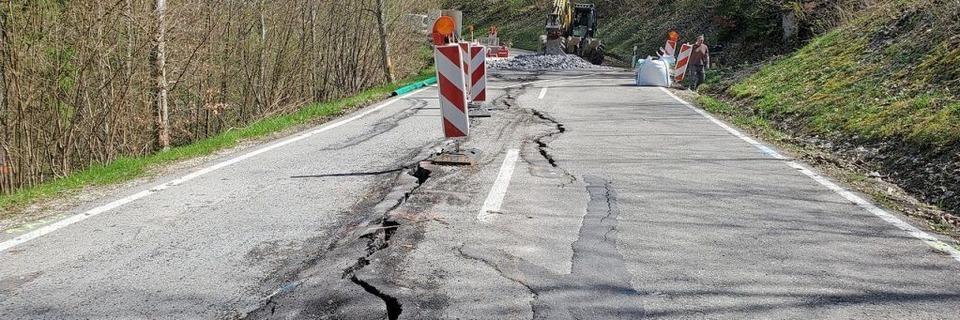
89,82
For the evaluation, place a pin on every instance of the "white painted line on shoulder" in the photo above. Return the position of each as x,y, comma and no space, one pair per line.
543,93
927,238
142,194
494,200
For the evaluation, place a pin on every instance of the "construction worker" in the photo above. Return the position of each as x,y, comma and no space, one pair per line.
699,61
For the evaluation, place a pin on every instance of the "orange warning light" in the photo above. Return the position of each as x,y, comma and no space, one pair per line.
673,36
445,26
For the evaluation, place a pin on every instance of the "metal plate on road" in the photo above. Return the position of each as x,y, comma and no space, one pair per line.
457,158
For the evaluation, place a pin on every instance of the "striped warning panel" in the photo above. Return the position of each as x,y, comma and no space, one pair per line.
465,54
478,74
453,91
671,48
685,50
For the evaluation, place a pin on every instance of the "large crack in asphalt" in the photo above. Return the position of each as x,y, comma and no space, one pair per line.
379,236
542,140
509,99
542,146
369,222
598,285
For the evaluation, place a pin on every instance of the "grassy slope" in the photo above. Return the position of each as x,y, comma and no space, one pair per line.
870,79
519,21
127,168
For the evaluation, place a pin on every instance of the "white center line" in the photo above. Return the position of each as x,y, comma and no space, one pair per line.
930,240
494,200
143,194
543,93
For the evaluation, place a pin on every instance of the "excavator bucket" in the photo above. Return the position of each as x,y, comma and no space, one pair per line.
554,47
553,41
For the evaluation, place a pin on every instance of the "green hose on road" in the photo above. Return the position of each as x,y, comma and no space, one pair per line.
414,86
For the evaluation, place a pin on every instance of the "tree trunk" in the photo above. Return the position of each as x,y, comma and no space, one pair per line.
315,53
261,86
384,41
4,168
160,74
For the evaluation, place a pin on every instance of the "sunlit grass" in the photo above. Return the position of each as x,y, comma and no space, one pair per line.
848,84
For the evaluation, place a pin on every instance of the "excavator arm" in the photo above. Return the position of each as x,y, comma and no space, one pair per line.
570,29
557,26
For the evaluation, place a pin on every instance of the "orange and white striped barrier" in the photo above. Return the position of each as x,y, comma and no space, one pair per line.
478,74
683,61
671,48
453,90
465,54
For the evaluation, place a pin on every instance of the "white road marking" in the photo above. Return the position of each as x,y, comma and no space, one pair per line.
930,240
543,93
499,190
142,194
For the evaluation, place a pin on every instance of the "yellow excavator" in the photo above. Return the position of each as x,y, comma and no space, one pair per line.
570,29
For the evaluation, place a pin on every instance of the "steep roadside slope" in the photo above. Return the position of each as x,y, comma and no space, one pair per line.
520,21
881,90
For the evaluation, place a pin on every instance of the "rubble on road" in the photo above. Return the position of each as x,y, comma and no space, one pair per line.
542,62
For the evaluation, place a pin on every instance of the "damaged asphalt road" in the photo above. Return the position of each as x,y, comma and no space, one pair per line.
598,285
395,227
621,203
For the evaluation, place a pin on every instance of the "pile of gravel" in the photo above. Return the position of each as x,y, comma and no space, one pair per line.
542,62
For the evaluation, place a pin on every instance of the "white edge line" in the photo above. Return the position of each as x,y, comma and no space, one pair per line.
142,194
499,189
543,93
927,238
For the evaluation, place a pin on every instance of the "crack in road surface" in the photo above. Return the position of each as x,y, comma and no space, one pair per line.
598,286
374,236
542,142
521,77
509,99
378,237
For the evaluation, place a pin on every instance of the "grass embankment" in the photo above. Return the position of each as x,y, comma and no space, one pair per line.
127,168
520,22
887,75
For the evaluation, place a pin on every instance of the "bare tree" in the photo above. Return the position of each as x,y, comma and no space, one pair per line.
86,82
380,12
162,115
